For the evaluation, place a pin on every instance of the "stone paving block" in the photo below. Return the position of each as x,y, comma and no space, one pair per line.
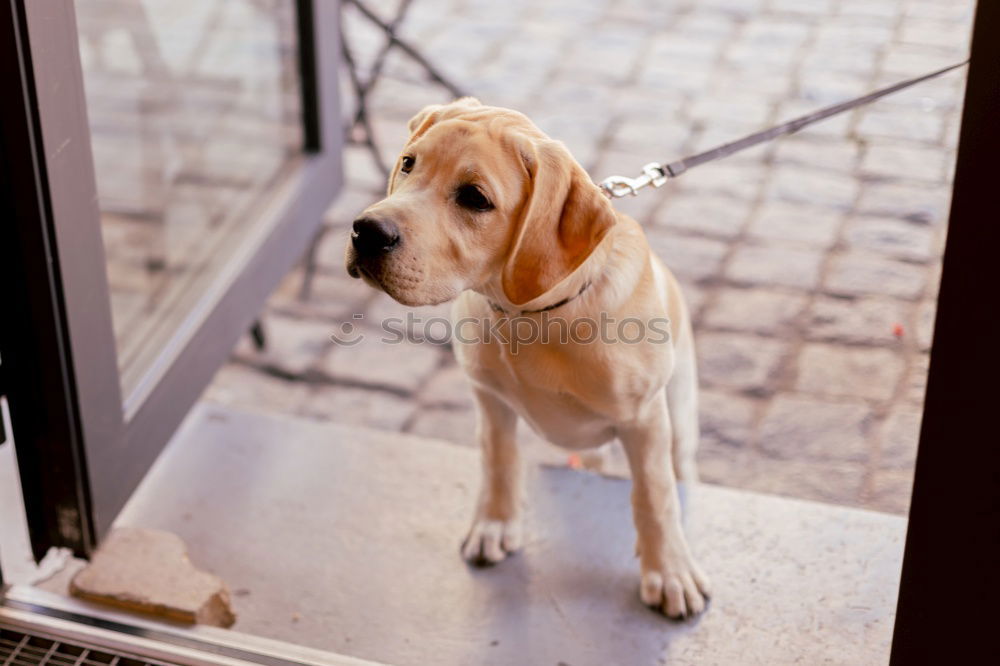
716,461
890,491
825,85
934,281
850,63
634,136
857,273
831,370
357,406
673,76
689,257
796,427
804,7
914,59
765,31
892,162
891,237
453,425
149,571
924,328
240,386
915,385
735,361
461,45
695,296
719,24
797,223
916,125
857,31
392,135
649,108
730,109
399,99
362,170
728,177
726,418
606,56
685,50
749,77
293,345
839,156
331,251
286,294
775,265
955,12
900,435
715,216
943,95
380,360
448,387
866,8
915,203
763,311
334,297
866,320
351,202
826,481
819,188
781,57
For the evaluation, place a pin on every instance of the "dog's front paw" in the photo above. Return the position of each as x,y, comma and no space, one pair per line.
679,589
490,541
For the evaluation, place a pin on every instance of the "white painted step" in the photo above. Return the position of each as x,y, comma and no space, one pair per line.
346,539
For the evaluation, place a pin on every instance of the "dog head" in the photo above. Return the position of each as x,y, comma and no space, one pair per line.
478,198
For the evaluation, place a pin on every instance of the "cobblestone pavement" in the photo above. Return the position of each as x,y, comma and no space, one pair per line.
811,264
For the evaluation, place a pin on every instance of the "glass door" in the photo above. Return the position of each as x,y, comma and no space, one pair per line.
166,161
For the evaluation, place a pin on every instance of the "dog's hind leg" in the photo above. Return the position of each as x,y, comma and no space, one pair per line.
682,403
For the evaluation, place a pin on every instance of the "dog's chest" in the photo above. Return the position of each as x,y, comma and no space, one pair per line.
557,415
571,399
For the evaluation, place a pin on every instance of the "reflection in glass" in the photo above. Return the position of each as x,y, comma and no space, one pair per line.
194,111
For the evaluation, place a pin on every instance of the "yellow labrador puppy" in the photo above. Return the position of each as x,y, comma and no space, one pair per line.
484,208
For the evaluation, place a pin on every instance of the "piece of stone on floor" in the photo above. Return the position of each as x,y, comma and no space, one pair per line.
149,571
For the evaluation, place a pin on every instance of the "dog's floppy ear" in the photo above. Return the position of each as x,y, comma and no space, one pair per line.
563,220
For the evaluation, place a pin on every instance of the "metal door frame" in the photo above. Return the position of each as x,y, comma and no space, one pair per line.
950,583
83,446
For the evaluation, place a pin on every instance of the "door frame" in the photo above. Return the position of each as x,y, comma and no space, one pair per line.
946,612
82,446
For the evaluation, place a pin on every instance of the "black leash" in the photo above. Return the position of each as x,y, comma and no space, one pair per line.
656,174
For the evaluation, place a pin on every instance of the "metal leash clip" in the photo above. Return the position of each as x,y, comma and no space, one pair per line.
653,174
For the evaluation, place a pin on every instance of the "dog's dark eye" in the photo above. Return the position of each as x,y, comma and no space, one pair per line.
469,196
408,162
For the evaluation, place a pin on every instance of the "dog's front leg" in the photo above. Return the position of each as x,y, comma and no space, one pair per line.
496,528
671,580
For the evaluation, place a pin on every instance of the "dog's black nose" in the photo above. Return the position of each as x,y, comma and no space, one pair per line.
374,236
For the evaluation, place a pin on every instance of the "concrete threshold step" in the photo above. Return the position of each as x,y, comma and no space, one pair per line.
346,539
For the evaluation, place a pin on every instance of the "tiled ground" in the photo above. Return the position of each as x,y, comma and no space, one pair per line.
811,263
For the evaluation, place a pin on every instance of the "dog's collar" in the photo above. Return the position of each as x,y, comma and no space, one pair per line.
496,307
